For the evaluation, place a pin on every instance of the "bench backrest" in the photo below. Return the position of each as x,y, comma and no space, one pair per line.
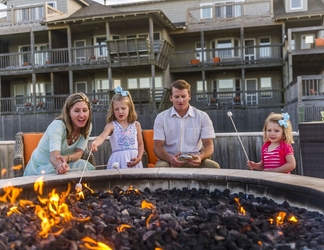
31,141
148,146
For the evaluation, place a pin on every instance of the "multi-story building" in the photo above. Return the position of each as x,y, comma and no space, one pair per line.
250,57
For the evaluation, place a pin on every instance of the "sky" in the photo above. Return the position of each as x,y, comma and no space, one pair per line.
108,2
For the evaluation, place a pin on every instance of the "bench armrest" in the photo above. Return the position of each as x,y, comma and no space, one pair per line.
85,156
145,160
19,161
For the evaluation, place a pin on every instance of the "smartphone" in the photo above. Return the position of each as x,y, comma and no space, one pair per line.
184,157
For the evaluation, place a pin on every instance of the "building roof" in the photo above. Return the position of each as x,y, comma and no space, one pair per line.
96,11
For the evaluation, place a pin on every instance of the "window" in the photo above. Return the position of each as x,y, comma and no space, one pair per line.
81,87
32,13
227,48
199,53
265,84
19,92
230,10
145,82
115,37
307,41
53,4
292,44
39,58
225,85
25,57
200,90
296,4
265,49
102,85
156,36
225,89
40,88
206,11
101,50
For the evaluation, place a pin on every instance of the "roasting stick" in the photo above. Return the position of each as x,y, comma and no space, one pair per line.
115,165
229,113
78,186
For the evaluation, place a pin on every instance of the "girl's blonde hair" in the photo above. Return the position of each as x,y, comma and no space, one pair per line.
65,114
287,132
132,116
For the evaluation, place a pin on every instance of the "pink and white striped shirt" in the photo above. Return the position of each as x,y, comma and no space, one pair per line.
277,157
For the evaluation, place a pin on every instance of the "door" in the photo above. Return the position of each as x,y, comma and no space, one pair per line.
249,50
80,54
251,94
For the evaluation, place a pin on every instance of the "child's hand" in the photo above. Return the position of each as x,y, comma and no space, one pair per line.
93,146
133,162
251,164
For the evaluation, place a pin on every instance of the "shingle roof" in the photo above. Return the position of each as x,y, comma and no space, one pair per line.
94,9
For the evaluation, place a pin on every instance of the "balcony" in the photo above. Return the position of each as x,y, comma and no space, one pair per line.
249,56
30,14
138,51
231,12
239,99
142,98
135,52
306,47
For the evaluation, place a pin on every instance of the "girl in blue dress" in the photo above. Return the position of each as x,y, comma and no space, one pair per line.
124,131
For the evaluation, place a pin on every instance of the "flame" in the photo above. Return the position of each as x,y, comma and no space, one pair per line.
3,171
148,205
13,210
17,167
122,227
240,209
148,220
280,218
86,186
132,190
51,211
38,185
10,194
98,245
293,219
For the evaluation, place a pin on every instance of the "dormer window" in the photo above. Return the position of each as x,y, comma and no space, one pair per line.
296,4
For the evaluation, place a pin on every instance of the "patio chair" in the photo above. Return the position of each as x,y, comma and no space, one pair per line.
25,145
148,146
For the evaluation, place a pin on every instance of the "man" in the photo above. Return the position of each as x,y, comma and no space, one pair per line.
183,135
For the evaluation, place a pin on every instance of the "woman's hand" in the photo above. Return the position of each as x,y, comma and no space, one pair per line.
62,167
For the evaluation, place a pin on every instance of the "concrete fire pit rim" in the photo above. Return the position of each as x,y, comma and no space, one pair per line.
284,186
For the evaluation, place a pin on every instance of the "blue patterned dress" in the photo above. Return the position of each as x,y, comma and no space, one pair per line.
53,139
124,146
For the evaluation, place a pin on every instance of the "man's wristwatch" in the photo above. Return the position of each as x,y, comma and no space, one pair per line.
69,158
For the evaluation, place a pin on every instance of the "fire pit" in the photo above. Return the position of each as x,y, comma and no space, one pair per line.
201,189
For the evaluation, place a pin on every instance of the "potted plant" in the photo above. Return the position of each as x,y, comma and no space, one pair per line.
194,61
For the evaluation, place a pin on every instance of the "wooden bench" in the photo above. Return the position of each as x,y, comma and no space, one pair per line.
26,143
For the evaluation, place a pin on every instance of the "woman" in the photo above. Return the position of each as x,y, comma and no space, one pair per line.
62,145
